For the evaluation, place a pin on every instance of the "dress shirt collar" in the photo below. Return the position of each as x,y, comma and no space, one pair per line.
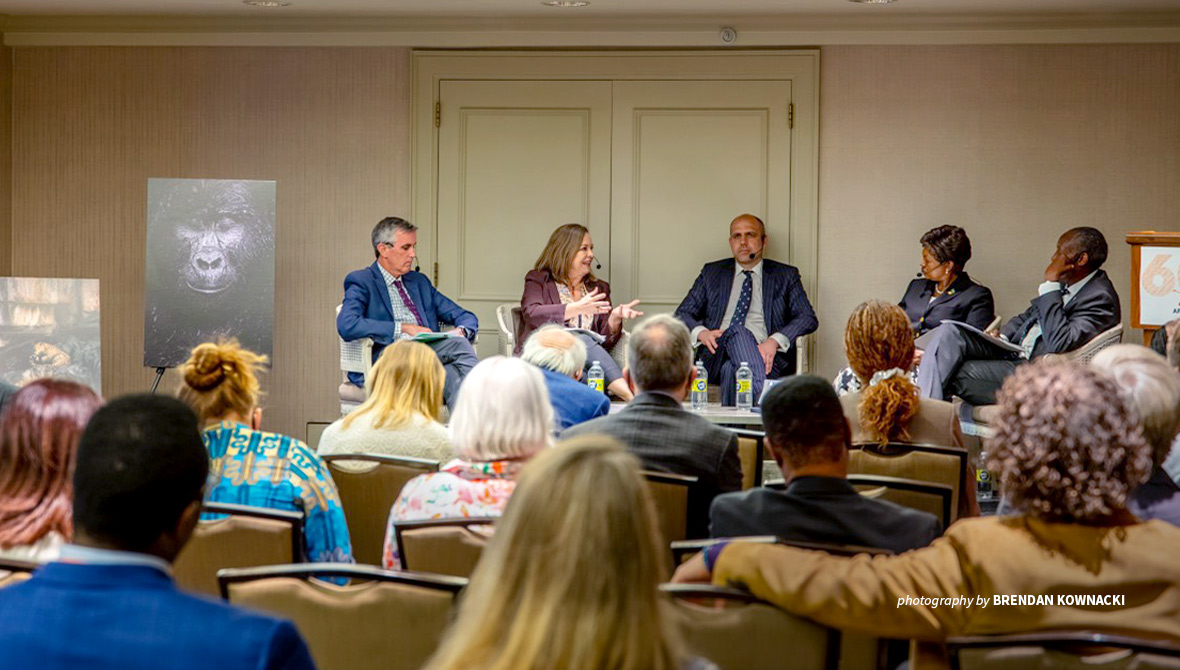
389,279
75,553
756,270
1078,285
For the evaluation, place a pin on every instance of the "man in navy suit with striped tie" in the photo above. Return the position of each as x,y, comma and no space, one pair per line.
747,309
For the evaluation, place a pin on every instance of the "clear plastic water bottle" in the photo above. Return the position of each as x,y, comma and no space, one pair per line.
700,387
745,386
985,488
596,378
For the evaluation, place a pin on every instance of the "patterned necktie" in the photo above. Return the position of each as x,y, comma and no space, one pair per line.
743,303
401,290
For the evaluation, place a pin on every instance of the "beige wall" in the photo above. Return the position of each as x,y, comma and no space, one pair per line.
93,124
5,161
1014,143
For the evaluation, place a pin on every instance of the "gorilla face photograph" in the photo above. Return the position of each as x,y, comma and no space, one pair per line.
210,266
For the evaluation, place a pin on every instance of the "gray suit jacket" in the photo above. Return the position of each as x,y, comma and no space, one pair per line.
667,438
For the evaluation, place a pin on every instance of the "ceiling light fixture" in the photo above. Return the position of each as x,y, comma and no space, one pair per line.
266,3
566,3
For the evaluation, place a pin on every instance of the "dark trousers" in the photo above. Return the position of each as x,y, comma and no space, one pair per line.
959,362
457,357
737,344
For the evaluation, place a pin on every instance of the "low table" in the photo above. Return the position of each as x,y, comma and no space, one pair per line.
715,413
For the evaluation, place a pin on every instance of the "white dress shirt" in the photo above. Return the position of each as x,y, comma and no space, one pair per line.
755,321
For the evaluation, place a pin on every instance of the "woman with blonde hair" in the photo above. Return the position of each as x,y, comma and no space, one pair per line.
571,578
502,419
400,416
562,289
39,434
252,467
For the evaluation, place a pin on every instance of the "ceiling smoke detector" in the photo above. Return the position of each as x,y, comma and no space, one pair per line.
266,3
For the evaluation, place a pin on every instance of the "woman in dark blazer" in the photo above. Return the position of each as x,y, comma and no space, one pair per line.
945,291
562,289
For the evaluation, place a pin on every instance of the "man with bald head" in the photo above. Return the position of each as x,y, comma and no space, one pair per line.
747,308
561,357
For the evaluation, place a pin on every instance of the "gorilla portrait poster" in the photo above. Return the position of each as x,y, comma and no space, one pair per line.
210,266
50,328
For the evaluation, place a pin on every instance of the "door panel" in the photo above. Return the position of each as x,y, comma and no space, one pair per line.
516,160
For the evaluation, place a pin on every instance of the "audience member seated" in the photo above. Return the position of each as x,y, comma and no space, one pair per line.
110,602
944,291
1076,302
656,427
400,416
1169,346
252,467
1153,390
1069,450
561,288
570,579
501,420
561,357
808,436
880,348
38,439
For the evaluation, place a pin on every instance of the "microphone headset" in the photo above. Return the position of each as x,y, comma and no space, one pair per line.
753,256
597,264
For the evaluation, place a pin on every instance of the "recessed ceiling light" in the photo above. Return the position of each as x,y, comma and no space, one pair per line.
566,3
266,3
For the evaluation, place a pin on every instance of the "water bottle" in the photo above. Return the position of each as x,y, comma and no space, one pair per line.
745,386
985,489
700,387
595,378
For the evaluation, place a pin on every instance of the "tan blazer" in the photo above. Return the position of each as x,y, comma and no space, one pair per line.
977,558
935,423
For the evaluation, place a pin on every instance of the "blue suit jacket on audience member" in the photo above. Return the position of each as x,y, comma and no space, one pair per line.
367,311
573,401
123,617
964,300
785,306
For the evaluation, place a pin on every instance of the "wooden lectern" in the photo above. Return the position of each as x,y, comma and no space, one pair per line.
1155,280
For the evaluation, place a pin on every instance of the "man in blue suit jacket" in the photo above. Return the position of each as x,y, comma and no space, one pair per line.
109,602
747,309
561,357
389,300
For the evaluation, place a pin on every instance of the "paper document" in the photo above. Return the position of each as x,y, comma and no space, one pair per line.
924,340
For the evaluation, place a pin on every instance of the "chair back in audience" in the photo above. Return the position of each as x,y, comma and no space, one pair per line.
922,496
918,462
380,621
671,494
443,546
735,630
367,497
245,537
15,572
686,549
1061,651
751,452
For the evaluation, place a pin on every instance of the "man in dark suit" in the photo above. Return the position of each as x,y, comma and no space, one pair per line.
656,427
110,601
561,357
808,436
746,309
390,300
1076,302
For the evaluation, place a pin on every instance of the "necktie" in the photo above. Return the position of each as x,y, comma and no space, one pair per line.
743,303
401,290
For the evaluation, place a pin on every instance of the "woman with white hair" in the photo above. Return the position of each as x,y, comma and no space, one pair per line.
501,419
1153,389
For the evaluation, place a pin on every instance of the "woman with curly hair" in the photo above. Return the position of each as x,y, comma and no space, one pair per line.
39,435
1069,450
880,347
252,467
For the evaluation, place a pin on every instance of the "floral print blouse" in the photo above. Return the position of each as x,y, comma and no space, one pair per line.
460,489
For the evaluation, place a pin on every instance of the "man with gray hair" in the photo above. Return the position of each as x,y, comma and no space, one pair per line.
561,357
390,300
656,427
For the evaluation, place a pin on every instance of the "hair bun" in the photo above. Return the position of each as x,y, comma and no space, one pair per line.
207,368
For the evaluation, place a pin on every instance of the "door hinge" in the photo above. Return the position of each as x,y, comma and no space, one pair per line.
438,114
790,116
436,273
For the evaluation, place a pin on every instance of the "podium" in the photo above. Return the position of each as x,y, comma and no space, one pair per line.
1155,280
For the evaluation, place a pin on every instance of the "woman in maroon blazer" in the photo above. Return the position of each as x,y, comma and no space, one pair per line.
562,289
